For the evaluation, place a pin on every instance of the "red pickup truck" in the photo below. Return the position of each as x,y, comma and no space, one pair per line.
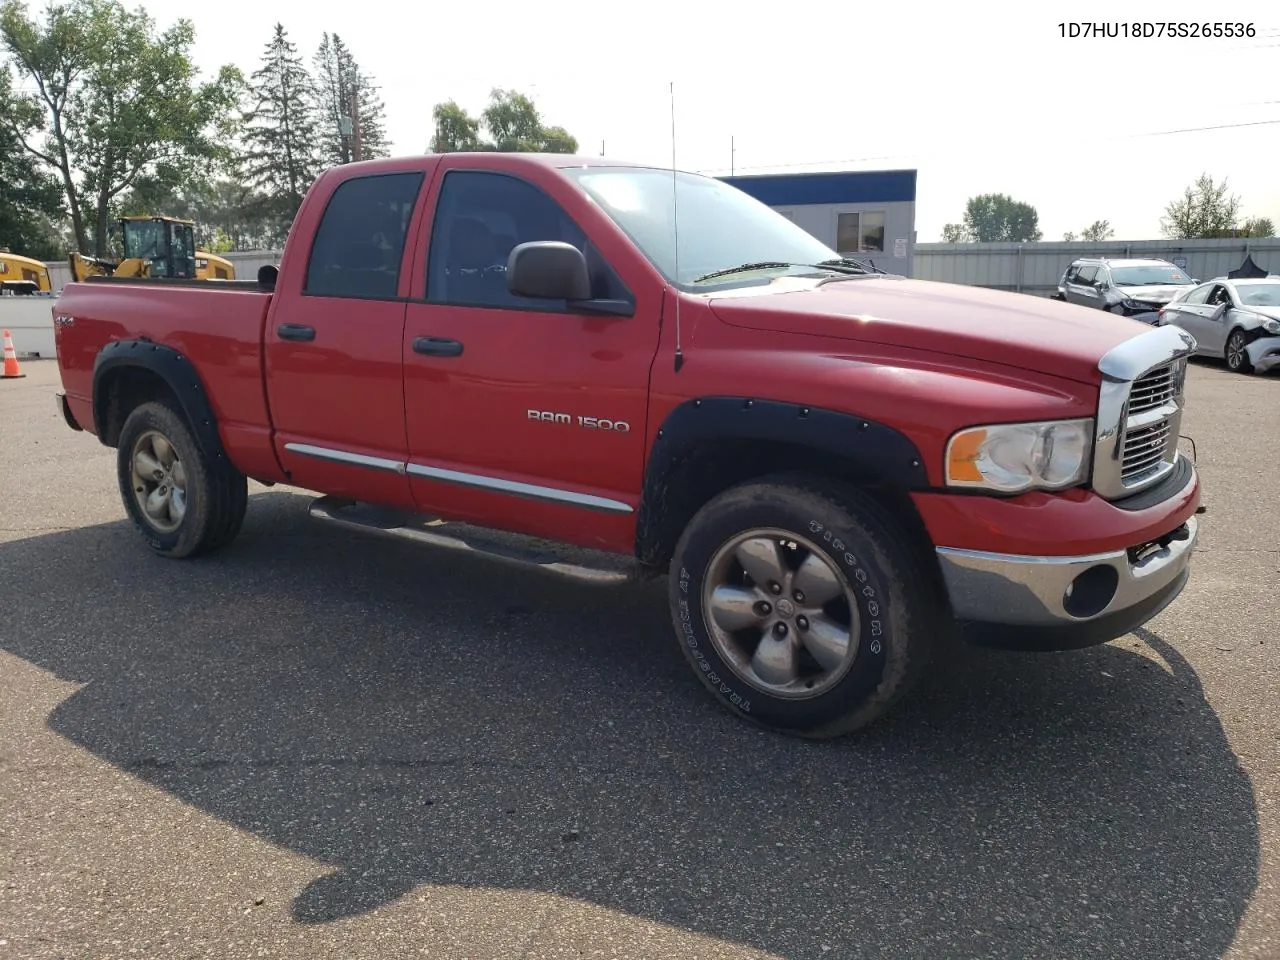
837,469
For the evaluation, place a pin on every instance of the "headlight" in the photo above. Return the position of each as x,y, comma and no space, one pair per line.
1015,457
1272,326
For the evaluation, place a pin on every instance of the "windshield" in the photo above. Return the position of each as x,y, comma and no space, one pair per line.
1259,294
1151,275
143,238
719,225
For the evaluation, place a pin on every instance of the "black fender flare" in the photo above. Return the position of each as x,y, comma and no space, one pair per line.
177,372
885,454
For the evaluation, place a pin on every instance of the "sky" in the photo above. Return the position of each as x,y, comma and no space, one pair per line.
978,97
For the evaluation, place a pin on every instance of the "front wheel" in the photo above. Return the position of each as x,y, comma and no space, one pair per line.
800,605
183,501
1237,355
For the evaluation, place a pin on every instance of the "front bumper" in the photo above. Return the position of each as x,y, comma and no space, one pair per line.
1264,353
1061,603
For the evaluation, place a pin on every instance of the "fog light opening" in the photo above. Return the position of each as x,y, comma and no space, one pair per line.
1088,594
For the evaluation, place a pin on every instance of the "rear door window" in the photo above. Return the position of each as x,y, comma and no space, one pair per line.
359,245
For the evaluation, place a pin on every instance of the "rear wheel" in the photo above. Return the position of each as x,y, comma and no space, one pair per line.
800,606
183,502
1237,355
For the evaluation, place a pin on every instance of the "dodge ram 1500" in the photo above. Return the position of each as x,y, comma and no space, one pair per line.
836,469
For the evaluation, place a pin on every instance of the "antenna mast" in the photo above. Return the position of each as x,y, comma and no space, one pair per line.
675,227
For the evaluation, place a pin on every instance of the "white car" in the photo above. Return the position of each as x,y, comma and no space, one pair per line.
1236,319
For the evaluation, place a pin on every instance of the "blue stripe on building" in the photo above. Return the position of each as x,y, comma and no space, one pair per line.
797,189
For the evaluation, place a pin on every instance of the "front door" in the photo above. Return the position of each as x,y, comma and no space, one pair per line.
333,366
522,413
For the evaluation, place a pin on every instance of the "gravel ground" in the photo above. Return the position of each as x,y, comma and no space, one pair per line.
322,745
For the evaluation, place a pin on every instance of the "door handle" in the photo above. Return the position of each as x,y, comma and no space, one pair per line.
295,331
437,347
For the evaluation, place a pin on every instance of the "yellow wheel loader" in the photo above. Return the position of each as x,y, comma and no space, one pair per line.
22,276
156,247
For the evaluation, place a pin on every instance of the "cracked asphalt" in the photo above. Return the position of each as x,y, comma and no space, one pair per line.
321,745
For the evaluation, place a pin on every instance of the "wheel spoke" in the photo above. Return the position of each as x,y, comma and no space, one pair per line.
179,475
774,661
734,608
762,561
147,466
827,640
163,450
177,505
817,581
157,505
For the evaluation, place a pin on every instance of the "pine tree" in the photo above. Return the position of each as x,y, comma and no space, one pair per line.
281,159
352,113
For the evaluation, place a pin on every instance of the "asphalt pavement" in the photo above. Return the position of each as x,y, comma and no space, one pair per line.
317,744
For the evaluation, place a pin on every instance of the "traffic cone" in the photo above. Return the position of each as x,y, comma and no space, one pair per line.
11,369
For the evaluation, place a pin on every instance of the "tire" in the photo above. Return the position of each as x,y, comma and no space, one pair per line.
1236,355
199,513
887,599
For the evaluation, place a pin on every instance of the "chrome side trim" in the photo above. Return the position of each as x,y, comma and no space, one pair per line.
345,456
552,494
1120,368
1030,590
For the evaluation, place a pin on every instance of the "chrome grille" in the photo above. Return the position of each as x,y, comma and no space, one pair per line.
1140,411
1152,390
1144,451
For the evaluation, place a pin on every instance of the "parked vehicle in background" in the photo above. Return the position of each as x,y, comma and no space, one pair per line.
1238,320
22,276
836,469
1132,287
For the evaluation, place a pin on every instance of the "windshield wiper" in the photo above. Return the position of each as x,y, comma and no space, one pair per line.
744,267
855,265
842,265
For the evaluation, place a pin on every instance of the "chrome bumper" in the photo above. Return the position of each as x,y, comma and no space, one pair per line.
1028,591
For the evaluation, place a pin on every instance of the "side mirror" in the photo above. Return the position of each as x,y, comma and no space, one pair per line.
1218,311
548,270
267,275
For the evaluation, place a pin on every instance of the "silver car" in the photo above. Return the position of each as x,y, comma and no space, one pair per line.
1236,319
1135,288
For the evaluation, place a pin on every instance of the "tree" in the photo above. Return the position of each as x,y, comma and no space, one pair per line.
955,233
995,217
1097,231
1204,210
511,120
282,158
30,200
1258,227
456,131
352,115
118,101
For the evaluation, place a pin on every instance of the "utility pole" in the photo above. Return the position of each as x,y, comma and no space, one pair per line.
732,154
602,148
355,115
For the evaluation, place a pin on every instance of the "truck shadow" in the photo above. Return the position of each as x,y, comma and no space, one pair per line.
411,717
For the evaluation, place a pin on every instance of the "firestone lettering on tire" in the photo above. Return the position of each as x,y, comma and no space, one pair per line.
686,627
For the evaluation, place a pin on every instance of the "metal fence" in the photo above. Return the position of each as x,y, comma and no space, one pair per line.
1035,268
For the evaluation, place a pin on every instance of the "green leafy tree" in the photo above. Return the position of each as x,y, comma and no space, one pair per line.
1258,227
1204,210
118,101
996,217
352,115
511,121
955,233
456,130
1097,231
281,158
30,200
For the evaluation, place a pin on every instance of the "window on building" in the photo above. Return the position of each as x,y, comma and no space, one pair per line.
360,241
860,232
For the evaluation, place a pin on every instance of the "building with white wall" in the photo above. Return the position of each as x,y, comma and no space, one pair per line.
866,214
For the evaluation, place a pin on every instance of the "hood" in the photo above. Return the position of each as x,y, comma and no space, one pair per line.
1154,293
1271,312
1019,330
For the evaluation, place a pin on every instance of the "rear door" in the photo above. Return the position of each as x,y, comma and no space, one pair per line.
522,413
1081,289
1191,313
334,371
